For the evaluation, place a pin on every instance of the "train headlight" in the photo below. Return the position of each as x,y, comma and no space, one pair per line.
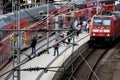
108,34
106,30
93,34
95,30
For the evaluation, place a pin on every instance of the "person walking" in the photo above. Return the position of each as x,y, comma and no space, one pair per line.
56,47
76,27
63,35
33,45
88,26
75,23
84,25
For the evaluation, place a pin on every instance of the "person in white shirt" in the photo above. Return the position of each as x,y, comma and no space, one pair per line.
75,23
84,25
88,26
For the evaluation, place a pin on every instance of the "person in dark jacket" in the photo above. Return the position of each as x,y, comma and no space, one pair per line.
33,45
56,46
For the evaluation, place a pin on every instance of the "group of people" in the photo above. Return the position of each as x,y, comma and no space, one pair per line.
56,46
79,25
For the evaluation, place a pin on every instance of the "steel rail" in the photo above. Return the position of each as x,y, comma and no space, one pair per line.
80,62
95,65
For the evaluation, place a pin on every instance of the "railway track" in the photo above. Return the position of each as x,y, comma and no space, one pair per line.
83,67
86,69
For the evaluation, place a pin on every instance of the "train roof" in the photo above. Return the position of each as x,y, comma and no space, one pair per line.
70,3
43,7
3,21
31,11
11,16
116,14
2,16
77,2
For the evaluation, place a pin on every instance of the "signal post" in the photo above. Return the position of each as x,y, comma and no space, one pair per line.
16,40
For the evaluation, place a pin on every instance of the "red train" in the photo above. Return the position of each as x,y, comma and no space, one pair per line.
30,16
105,27
27,18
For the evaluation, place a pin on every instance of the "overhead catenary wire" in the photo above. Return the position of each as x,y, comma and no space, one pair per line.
53,14
38,54
41,68
42,20
43,51
31,30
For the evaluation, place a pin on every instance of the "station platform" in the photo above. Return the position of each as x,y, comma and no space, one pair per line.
47,60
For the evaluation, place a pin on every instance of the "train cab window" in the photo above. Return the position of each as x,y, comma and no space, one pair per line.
104,21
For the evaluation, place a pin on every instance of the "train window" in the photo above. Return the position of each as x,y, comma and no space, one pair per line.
105,21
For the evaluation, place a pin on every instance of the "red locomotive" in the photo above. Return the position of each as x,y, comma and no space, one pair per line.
105,27
30,16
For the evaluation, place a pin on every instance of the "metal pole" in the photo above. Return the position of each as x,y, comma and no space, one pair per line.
16,8
72,68
40,1
47,26
56,27
13,6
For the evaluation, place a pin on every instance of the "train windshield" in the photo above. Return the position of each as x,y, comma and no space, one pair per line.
104,21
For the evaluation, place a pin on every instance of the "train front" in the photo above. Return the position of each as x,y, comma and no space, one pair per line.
101,29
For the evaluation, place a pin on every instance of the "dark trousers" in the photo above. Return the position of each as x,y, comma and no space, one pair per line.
56,50
33,50
87,30
69,40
